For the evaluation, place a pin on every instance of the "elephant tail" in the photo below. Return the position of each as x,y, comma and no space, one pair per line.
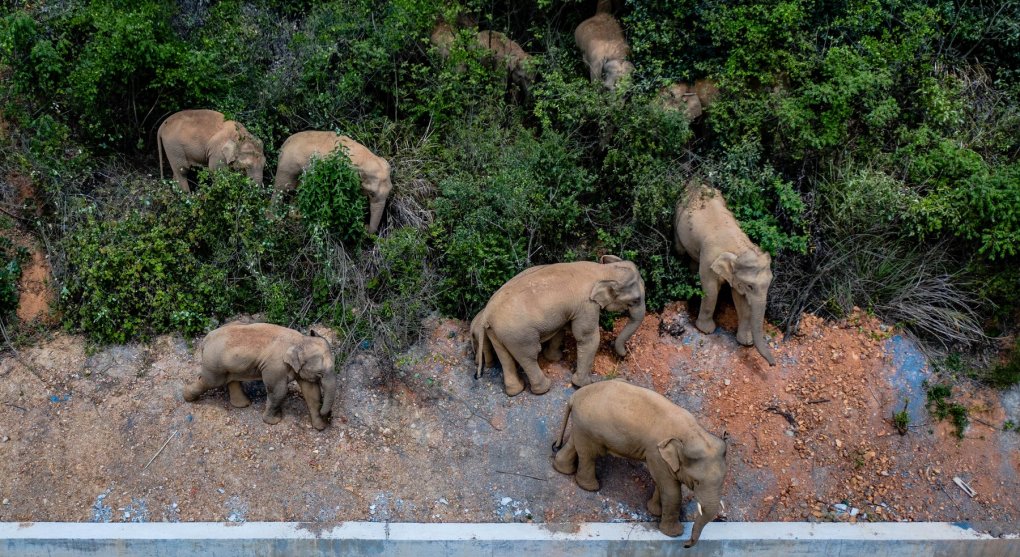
159,150
482,345
563,427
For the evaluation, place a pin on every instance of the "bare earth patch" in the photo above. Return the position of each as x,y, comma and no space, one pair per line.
810,438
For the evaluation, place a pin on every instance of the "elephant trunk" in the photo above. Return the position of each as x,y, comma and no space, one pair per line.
375,211
709,507
758,333
255,174
637,315
328,393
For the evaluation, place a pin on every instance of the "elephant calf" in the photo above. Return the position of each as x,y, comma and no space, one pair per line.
296,153
707,231
535,307
508,54
206,138
694,99
617,418
600,39
245,352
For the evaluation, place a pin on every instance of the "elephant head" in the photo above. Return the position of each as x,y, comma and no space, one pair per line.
312,360
698,462
240,151
750,274
621,289
681,96
614,70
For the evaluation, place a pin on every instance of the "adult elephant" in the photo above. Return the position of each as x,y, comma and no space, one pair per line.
707,231
206,138
297,152
620,419
277,355
538,304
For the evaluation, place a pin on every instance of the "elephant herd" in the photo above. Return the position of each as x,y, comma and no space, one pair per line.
527,316
206,138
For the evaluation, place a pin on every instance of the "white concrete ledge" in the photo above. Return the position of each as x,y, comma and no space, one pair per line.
212,539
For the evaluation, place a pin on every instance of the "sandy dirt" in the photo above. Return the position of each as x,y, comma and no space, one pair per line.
106,436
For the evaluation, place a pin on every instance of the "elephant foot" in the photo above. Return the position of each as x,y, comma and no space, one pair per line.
706,326
319,424
744,337
552,355
671,528
621,348
580,380
654,506
272,419
239,401
542,386
514,389
565,466
191,394
587,484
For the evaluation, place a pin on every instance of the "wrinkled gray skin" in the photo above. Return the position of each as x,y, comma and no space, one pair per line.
604,48
205,138
538,304
276,355
620,419
707,231
297,152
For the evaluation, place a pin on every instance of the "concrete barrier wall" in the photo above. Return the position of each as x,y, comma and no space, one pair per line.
513,540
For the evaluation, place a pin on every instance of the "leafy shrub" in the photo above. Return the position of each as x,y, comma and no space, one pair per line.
330,197
10,275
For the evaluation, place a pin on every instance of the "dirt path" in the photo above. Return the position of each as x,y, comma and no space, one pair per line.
809,438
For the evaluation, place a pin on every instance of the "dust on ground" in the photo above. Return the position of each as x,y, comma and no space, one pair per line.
106,436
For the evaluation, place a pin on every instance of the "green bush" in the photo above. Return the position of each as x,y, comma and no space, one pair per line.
10,274
330,197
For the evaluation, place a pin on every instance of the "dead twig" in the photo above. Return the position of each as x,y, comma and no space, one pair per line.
819,401
172,435
522,475
15,406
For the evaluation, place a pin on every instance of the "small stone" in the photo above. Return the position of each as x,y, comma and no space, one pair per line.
840,507
220,490
725,382
6,501
854,511
505,501
5,439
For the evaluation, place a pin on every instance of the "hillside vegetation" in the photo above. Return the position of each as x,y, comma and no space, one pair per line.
871,146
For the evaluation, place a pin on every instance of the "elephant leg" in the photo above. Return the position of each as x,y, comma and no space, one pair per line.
199,386
586,455
277,391
586,333
552,351
313,398
654,505
511,381
743,318
669,498
706,322
565,461
178,165
527,355
237,397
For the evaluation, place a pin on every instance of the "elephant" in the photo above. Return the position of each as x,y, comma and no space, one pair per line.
605,50
538,304
707,231
296,153
681,95
443,36
206,138
510,55
250,351
620,419
693,98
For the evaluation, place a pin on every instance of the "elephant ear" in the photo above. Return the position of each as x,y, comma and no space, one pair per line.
229,151
295,358
669,450
723,266
607,258
603,292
